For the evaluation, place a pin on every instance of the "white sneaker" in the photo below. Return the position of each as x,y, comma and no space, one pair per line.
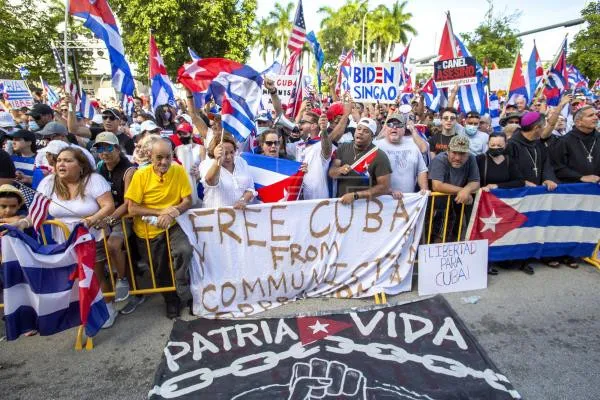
121,290
112,315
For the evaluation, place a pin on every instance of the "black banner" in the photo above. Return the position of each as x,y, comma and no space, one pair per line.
419,350
459,71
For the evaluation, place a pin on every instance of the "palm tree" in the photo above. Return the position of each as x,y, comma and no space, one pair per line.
402,27
264,37
385,28
281,18
341,29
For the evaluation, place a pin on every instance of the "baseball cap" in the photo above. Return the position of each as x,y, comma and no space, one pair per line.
334,110
530,118
473,114
402,118
185,117
53,128
148,126
459,144
106,137
184,127
24,134
40,109
6,120
112,111
6,188
54,147
369,123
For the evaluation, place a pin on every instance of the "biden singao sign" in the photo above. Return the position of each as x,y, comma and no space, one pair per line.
375,82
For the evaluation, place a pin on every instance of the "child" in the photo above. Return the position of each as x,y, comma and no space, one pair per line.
11,201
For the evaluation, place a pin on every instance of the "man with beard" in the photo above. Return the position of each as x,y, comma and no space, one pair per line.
351,184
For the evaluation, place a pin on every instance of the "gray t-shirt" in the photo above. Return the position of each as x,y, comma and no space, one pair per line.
406,161
441,170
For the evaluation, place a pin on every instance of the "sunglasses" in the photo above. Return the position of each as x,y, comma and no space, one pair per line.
306,122
110,117
452,118
272,142
105,149
395,125
36,117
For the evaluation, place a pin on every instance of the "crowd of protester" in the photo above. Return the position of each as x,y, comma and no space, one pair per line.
154,166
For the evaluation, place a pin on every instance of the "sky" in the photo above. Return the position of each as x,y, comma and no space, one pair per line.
428,20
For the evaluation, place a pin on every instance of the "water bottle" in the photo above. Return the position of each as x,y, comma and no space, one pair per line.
152,220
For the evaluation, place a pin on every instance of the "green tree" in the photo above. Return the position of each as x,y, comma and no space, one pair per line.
341,28
214,28
281,18
264,38
585,49
385,28
494,39
28,29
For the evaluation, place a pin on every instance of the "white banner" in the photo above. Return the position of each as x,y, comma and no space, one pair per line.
285,85
17,93
375,82
500,78
252,260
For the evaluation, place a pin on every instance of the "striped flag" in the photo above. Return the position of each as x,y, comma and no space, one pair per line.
343,81
193,54
558,76
535,72
163,91
293,106
60,67
37,205
495,112
275,179
361,166
432,96
53,98
298,36
85,105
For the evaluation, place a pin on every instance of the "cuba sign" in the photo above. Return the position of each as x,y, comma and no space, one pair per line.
375,82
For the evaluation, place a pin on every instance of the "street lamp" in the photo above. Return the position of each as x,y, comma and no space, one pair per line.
362,53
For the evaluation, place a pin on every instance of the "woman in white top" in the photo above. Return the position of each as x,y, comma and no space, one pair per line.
226,176
80,195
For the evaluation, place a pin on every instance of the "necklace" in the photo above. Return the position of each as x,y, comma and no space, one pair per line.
533,160
589,157
357,154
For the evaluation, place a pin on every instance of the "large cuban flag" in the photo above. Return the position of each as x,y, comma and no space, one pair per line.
275,179
100,19
236,87
50,288
532,222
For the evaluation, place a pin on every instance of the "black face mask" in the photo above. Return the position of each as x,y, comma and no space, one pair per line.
495,152
185,139
293,139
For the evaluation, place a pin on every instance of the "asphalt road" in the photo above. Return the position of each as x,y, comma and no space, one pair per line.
542,331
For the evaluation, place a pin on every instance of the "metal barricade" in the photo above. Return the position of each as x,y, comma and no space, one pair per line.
594,259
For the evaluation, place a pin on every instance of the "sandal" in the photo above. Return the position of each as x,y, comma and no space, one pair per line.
571,262
492,270
527,268
553,263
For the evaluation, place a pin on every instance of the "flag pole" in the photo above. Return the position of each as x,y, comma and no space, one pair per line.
540,88
66,55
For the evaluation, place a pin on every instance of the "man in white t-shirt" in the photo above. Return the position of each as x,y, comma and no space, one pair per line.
408,166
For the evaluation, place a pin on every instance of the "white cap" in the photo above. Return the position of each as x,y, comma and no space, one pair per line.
6,120
54,147
148,125
369,123
187,118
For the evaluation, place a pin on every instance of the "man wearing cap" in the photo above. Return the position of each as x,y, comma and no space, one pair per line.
408,165
530,154
477,140
54,131
118,171
361,152
41,114
111,119
23,143
576,156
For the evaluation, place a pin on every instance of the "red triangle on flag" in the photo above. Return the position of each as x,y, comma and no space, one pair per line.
494,219
312,329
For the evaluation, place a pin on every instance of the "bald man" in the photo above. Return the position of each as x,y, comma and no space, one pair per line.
162,190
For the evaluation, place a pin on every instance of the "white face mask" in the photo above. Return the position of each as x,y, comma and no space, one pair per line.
33,126
261,129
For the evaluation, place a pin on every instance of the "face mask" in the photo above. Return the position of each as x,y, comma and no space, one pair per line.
495,152
167,116
33,126
437,122
261,129
185,139
471,130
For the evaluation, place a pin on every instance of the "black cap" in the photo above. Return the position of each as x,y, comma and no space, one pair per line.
40,109
473,114
112,111
24,134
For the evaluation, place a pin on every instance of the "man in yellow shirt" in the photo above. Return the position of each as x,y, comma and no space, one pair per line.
162,190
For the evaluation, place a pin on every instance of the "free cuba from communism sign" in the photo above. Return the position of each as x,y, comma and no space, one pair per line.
247,261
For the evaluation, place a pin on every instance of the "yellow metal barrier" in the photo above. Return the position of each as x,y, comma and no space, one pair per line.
594,259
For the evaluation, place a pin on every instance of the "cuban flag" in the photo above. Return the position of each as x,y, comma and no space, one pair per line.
558,76
53,98
518,83
448,46
404,56
100,19
162,88
127,105
472,97
194,56
343,81
495,112
51,288
275,68
432,96
576,78
532,222
535,72
361,166
275,179
85,105
236,87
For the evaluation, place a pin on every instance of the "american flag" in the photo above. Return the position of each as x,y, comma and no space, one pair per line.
298,36
59,65
36,203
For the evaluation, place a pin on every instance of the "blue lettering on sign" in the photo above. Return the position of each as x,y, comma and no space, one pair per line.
369,75
375,92
388,75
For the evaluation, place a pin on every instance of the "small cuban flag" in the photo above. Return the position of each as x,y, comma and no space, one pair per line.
361,166
275,179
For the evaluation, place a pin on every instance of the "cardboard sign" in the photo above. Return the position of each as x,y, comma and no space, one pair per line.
375,82
17,94
285,85
500,78
457,71
453,267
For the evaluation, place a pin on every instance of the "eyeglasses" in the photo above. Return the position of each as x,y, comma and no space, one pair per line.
449,118
110,117
395,125
306,122
105,149
272,142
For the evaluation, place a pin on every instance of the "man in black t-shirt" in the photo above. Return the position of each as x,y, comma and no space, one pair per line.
111,118
361,170
7,168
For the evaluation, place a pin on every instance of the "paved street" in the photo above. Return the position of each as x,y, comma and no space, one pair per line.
542,331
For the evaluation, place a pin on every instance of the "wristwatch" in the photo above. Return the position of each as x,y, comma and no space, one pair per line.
356,196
